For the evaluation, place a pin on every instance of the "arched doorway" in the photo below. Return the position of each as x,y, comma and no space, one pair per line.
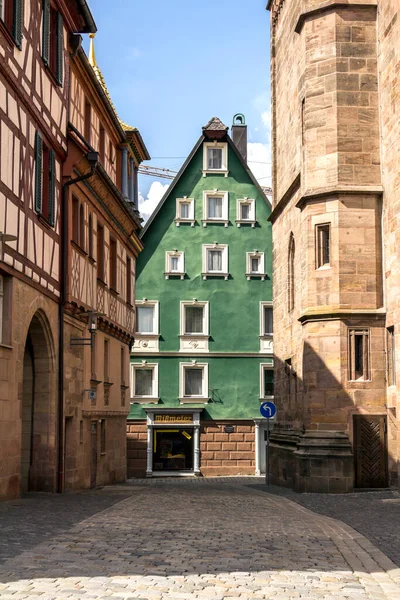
38,409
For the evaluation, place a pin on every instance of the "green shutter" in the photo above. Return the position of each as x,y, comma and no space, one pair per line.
60,49
52,187
17,25
46,32
38,172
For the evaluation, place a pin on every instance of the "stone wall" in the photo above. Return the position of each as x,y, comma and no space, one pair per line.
389,98
136,449
227,453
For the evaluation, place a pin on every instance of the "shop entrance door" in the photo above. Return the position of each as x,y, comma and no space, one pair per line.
173,449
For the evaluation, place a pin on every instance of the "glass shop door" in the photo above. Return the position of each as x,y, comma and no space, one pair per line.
173,449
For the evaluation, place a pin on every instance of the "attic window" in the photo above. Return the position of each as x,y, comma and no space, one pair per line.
215,158
184,211
246,212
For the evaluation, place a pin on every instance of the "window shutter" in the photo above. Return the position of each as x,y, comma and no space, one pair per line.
52,187
60,49
17,24
38,172
46,32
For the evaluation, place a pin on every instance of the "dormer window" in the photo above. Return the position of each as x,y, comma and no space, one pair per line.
215,158
246,212
184,211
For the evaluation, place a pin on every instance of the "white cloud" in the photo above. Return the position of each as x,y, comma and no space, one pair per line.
259,160
266,120
154,195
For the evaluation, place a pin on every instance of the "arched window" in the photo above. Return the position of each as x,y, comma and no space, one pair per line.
291,273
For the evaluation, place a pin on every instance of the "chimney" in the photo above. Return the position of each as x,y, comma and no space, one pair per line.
239,134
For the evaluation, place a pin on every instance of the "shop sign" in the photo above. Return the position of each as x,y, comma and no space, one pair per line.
173,418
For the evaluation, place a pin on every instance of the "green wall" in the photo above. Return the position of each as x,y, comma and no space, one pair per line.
234,304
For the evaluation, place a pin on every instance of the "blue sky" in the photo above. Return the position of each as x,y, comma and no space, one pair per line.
171,66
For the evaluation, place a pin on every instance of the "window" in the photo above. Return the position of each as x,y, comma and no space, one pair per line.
266,319
291,293
128,280
45,180
11,14
106,360
93,369
53,41
88,120
110,152
193,381
1,307
391,356
184,211
215,208
113,264
147,317
215,158
103,436
303,121
246,212
266,381
81,431
359,355
82,226
102,144
144,381
255,267
122,366
90,234
100,252
215,261
174,264
322,233
194,326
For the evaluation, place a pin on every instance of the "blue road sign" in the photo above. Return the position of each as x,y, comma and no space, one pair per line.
268,410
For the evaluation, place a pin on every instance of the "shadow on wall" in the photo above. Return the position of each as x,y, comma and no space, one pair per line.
333,433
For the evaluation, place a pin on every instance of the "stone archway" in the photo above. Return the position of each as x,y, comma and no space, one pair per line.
38,409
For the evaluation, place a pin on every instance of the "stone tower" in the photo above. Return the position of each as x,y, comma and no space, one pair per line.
334,339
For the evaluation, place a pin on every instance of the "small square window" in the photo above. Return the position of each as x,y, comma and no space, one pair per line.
255,267
144,381
174,264
215,261
193,382
147,317
215,158
184,211
245,212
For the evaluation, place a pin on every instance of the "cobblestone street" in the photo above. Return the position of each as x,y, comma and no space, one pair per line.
185,540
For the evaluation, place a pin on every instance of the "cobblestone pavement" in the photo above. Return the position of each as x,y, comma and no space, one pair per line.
376,515
213,540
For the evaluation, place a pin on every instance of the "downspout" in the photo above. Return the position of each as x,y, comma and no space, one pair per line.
93,158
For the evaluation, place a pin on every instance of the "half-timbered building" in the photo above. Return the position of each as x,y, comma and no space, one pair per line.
102,224
34,81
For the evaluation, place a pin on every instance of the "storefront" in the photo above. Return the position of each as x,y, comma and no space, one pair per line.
173,441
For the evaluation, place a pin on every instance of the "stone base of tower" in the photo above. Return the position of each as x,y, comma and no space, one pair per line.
312,461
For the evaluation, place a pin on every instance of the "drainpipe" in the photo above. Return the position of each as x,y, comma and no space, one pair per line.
92,158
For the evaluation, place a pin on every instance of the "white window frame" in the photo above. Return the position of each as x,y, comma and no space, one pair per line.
266,340
225,207
225,261
2,10
261,274
264,367
168,262
178,218
205,306
153,398
252,219
155,305
213,145
193,399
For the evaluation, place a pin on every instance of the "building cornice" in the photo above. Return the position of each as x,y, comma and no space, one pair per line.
329,6
332,193
330,313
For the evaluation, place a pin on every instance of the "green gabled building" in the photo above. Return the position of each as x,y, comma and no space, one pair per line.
203,359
